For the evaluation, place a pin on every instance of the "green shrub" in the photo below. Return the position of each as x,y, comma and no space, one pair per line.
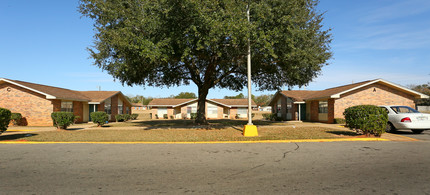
5,115
272,117
134,116
165,116
62,120
267,116
339,121
119,118
122,117
100,118
193,115
367,118
16,118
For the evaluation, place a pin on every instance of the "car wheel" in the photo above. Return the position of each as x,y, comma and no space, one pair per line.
390,128
417,131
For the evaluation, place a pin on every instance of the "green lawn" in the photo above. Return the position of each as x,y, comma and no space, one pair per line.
182,131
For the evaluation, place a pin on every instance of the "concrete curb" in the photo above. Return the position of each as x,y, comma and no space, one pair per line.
209,142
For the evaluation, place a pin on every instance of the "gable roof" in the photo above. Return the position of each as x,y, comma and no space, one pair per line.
99,96
64,94
180,102
168,102
301,95
49,91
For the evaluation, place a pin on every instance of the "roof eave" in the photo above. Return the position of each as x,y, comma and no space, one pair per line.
183,103
415,93
213,101
48,96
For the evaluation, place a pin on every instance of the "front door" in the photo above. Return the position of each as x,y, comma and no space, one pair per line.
303,112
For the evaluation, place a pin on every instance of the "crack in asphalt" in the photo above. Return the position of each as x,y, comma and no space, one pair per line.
245,170
255,167
285,153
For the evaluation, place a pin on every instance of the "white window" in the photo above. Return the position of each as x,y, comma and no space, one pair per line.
66,106
108,106
191,109
323,107
242,111
212,110
161,112
120,107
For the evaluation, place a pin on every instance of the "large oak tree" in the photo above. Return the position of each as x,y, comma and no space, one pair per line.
178,42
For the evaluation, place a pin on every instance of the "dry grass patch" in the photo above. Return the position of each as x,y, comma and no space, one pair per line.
143,134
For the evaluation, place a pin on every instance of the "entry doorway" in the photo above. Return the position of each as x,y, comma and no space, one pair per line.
302,112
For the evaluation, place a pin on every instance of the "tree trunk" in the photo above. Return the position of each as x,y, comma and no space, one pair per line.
201,105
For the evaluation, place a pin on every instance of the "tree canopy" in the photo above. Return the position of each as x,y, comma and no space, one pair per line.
425,89
239,96
178,42
185,95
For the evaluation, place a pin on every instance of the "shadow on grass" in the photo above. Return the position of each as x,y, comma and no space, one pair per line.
190,124
15,136
347,133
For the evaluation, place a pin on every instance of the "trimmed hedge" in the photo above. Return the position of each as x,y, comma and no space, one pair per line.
16,118
272,117
122,117
62,120
134,116
5,115
100,118
368,118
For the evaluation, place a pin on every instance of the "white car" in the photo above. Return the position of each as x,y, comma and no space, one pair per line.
406,118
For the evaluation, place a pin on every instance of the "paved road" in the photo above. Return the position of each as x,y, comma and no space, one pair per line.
424,136
282,168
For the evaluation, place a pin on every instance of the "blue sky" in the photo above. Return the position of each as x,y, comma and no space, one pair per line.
45,42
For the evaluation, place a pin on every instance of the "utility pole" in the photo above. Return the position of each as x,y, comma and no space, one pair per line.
249,130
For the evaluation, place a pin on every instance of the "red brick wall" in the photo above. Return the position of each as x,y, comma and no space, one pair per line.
330,110
33,107
57,105
101,107
314,110
78,110
114,107
375,94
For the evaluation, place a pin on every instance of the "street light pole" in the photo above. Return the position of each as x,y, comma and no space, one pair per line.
249,75
249,130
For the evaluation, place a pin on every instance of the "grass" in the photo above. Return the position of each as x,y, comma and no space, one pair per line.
182,131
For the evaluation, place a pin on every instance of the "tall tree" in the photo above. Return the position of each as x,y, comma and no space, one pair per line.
176,42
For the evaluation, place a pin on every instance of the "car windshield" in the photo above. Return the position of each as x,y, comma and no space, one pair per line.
403,109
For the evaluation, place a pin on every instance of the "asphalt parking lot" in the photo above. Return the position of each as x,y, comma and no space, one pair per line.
424,136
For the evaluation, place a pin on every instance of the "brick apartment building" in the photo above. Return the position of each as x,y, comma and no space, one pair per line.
36,102
326,105
215,108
